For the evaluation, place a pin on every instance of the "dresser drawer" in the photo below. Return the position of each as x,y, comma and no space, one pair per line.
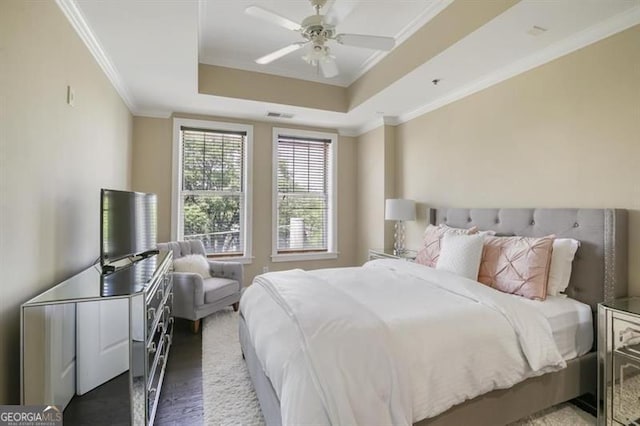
156,376
154,349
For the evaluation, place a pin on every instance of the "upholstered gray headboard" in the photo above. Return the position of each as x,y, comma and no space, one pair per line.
600,268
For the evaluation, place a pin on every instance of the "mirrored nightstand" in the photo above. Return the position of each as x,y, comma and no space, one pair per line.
619,362
409,255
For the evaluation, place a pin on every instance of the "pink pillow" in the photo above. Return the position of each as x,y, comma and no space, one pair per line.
517,265
430,251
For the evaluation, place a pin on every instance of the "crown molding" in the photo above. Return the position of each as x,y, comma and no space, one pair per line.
153,114
407,31
79,23
348,131
564,47
202,12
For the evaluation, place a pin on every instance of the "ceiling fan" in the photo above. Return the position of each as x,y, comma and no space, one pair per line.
318,30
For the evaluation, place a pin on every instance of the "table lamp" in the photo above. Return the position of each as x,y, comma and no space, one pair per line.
399,210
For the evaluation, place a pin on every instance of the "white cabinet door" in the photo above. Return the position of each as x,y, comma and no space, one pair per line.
59,354
102,342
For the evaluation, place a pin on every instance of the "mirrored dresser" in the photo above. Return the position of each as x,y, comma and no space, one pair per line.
619,362
97,344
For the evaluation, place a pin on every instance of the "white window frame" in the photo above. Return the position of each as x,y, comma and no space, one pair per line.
176,200
332,216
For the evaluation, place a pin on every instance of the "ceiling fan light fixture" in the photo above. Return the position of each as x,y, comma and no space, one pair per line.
279,53
318,30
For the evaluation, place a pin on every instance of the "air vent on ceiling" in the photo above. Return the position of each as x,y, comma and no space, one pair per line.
279,114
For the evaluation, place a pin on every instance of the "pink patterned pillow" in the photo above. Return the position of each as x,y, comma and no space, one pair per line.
430,251
517,265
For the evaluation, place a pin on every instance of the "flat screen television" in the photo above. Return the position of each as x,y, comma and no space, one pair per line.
128,224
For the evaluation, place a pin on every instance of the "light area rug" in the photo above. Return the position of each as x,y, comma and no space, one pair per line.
229,398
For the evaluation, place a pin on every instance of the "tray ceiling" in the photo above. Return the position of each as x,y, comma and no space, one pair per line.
231,38
150,50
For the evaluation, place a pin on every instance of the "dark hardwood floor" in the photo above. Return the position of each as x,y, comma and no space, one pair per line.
180,398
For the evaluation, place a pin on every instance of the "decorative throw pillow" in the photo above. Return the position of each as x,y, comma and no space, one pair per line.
517,265
461,254
192,263
430,251
564,250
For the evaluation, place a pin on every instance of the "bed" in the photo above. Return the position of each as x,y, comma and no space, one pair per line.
599,273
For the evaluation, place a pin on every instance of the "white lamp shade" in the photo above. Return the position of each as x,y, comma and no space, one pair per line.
399,209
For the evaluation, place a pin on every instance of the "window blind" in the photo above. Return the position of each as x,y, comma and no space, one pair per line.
303,190
212,161
212,190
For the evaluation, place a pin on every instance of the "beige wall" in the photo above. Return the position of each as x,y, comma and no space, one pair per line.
566,134
153,144
152,165
53,160
257,86
370,201
375,183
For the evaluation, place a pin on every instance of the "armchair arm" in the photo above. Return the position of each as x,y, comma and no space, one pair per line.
188,293
231,270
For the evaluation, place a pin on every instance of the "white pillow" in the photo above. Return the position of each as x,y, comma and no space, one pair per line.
564,250
461,254
192,263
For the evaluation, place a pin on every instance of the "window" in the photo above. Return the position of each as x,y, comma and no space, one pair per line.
304,197
211,192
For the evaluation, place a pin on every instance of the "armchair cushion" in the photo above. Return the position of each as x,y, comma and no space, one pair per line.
218,288
192,263
231,270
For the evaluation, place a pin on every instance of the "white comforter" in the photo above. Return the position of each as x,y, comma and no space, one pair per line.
392,342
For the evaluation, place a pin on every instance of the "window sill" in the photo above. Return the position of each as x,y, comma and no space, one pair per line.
244,259
296,257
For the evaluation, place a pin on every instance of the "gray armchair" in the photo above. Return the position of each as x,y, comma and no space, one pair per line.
194,297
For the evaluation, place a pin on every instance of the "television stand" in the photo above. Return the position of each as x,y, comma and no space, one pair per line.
62,330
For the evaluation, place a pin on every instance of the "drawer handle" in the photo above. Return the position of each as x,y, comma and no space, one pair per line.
630,336
152,348
151,312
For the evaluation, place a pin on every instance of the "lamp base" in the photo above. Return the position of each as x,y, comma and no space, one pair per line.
398,246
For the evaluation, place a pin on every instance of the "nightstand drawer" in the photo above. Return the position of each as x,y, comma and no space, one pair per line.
626,334
625,402
408,255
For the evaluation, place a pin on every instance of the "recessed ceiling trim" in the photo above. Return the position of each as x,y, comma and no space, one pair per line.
564,47
428,14
271,70
79,23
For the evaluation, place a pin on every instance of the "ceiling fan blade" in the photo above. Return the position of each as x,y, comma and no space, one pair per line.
279,53
328,67
368,41
336,12
274,18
